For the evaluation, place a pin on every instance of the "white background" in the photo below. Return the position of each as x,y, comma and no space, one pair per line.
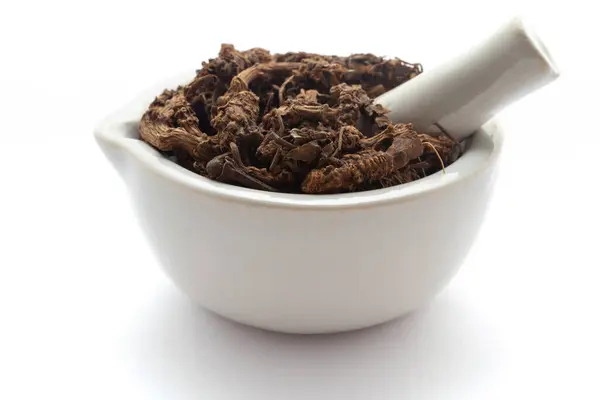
86,312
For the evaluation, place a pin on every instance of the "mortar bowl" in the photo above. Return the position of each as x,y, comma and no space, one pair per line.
303,263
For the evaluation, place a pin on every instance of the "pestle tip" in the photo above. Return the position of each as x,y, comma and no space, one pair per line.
523,27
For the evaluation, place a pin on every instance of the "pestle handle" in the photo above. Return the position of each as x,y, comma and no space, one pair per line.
466,91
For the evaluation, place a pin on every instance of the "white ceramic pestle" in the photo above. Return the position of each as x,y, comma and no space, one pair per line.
466,91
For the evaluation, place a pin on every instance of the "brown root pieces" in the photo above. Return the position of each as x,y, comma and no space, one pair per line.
170,124
295,123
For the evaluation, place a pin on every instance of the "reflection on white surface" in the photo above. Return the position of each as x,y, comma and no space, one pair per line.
182,350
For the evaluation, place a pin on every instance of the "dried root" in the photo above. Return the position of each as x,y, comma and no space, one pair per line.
294,122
